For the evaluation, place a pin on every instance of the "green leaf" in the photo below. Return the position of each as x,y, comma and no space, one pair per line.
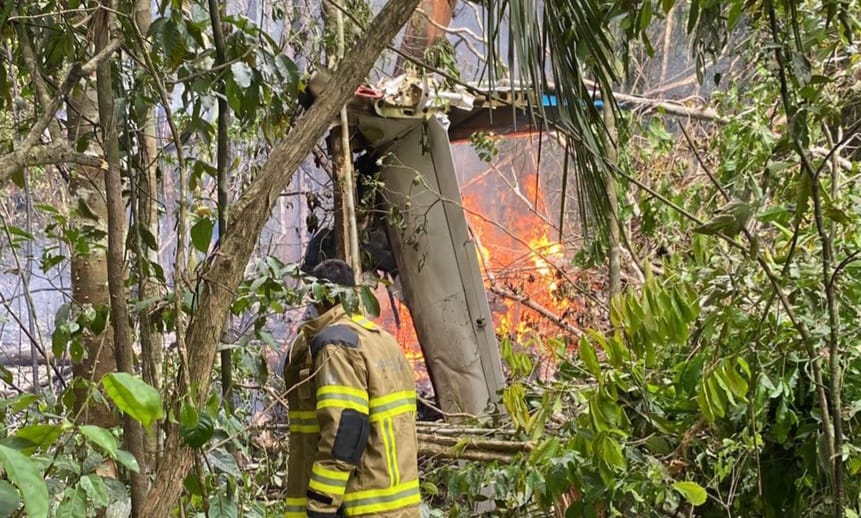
40,434
693,492
23,473
370,302
96,489
134,397
19,402
192,484
201,234
128,460
17,177
102,438
222,459
74,504
8,499
197,430
589,358
19,232
609,451
221,506
6,375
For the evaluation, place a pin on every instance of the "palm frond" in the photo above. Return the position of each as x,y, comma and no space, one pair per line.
561,48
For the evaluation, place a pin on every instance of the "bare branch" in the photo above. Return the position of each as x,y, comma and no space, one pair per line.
47,154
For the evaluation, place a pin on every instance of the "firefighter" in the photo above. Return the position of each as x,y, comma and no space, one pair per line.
352,412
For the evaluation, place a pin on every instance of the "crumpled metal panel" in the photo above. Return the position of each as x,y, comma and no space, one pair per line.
439,271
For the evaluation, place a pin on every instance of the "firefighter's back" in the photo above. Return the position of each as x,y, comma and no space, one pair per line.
385,483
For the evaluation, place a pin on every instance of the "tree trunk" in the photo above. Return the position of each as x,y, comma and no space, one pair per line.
90,267
116,212
228,262
152,342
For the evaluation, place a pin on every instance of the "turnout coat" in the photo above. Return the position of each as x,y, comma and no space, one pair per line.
352,412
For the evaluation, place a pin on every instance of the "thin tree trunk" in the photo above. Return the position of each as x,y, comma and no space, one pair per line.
224,273
222,159
132,433
152,342
89,268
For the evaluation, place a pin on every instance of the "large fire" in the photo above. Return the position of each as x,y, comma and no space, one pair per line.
523,265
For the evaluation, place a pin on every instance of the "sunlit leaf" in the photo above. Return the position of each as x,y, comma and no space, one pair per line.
102,438
128,460
693,492
40,434
134,397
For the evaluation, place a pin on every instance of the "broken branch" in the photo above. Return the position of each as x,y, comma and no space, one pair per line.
538,308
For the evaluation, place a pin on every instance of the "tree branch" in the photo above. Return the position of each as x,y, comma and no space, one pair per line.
76,72
538,308
48,154
228,262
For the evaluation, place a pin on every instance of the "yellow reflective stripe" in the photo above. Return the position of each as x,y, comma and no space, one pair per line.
340,396
391,452
393,404
341,476
302,414
387,446
364,322
336,402
394,396
327,485
328,481
382,500
303,421
343,390
295,507
305,428
398,410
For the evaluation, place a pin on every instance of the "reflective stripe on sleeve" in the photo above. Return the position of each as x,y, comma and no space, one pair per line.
303,421
389,442
328,481
341,396
382,500
392,404
295,507
364,322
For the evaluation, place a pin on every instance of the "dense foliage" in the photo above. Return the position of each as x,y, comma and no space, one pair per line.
727,381
707,395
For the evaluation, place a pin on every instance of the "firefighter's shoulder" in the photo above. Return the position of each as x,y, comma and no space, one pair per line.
339,335
364,322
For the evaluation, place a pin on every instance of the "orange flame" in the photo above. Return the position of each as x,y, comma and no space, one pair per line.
523,266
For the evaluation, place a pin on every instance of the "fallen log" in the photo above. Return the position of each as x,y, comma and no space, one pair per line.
439,451
475,443
441,428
